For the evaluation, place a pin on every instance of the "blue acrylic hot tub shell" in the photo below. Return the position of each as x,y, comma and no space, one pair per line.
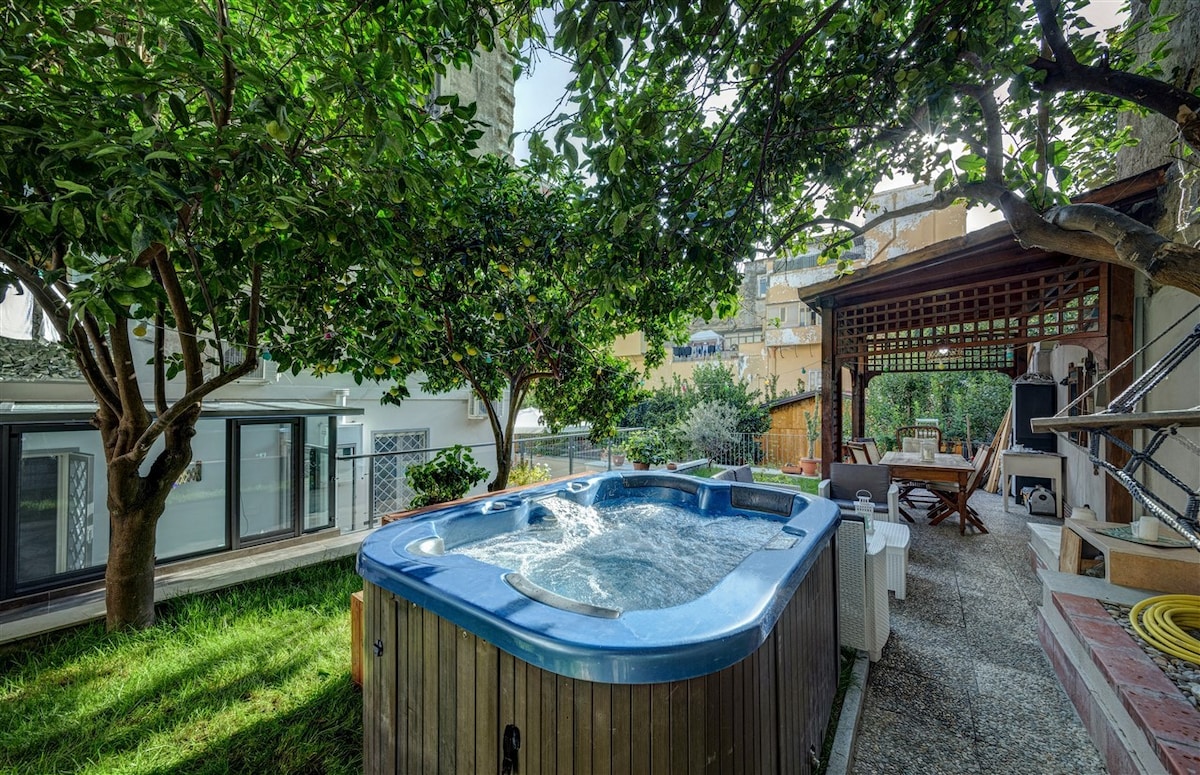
714,631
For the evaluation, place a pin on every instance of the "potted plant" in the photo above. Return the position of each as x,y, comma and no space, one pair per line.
447,477
645,449
812,429
616,455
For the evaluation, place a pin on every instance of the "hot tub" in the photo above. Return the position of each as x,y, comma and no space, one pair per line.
463,656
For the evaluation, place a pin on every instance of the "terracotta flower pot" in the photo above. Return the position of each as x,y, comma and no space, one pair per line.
640,466
808,466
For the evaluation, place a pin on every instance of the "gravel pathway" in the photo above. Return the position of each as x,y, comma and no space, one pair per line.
963,685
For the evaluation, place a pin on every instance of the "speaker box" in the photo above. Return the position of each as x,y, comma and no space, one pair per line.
1033,399
1030,400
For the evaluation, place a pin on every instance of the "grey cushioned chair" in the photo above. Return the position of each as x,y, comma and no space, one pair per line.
739,474
846,479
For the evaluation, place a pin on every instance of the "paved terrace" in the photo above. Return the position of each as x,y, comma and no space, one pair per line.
964,685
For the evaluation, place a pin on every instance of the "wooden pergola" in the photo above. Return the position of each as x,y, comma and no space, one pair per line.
973,303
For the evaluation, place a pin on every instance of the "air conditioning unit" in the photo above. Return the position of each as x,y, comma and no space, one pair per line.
234,357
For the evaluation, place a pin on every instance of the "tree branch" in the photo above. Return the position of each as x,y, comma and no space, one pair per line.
1175,104
133,414
89,363
192,398
1136,244
1047,11
228,73
160,377
193,368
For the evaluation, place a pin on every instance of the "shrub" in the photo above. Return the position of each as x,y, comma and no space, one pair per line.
710,429
645,447
668,405
445,478
528,472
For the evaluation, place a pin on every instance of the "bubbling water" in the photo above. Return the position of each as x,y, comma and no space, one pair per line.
629,554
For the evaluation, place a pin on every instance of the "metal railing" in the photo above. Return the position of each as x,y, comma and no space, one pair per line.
371,485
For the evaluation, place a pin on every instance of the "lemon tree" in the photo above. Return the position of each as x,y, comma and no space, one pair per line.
211,170
507,287
742,126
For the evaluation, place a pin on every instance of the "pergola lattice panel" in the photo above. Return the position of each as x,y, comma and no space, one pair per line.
971,326
992,358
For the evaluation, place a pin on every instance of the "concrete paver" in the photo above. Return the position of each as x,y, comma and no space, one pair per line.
963,685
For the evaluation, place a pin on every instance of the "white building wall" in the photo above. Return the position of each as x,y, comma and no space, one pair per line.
1084,483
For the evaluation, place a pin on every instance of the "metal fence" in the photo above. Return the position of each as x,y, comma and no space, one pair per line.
360,479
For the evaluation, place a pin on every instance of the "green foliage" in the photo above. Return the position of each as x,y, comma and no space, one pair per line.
220,171
646,447
447,477
896,400
667,407
710,429
528,472
505,290
812,423
596,391
729,127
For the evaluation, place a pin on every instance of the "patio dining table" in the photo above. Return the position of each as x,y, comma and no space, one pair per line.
943,468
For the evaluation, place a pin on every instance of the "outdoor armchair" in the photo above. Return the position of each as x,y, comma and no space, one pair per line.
846,479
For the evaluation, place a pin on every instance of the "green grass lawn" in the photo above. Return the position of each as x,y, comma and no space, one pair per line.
806,483
252,679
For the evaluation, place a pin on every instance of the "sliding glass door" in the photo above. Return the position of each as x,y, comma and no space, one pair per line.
265,504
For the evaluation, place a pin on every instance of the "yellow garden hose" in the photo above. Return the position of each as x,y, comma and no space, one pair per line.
1162,621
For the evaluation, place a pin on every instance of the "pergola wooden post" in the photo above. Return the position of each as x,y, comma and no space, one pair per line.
831,394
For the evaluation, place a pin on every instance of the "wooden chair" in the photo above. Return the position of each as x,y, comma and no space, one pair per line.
947,493
909,487
872,449
858,452
918,432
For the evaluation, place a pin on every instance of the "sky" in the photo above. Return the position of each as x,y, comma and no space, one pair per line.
539,92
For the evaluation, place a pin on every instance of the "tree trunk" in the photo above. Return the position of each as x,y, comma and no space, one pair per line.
503,467
135,504
504,436
129,577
